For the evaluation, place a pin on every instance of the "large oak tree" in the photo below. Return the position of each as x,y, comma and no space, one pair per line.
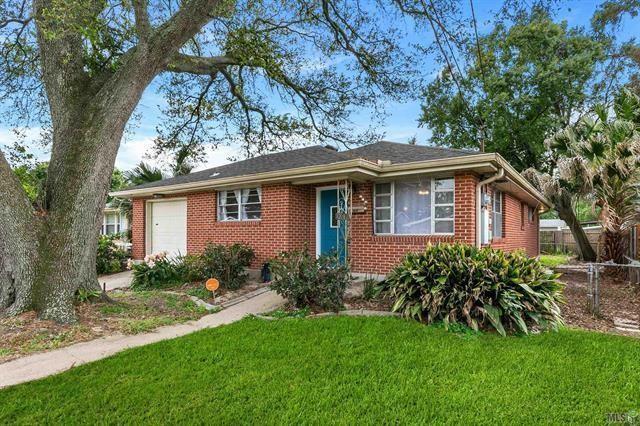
78,68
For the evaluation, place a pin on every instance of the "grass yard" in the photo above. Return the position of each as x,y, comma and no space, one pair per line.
343,370
133,313
553,260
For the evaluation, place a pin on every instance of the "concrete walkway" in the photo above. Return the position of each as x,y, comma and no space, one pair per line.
114,281
45,364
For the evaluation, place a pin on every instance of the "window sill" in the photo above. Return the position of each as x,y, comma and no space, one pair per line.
252,222
406,238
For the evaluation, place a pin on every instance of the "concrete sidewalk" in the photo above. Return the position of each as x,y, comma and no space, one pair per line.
45,364
114,281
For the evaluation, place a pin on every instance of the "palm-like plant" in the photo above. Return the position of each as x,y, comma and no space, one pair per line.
182,164
600,157
143,173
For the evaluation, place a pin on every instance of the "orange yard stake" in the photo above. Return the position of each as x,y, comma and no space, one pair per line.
212,285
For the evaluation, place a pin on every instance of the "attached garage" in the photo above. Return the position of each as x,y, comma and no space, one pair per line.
167,226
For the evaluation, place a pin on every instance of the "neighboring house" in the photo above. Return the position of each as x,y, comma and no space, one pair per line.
559,224
371,204
552,225
113,221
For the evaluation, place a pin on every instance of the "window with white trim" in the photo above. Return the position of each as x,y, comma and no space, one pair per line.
240,204
497,214
111,223
419,206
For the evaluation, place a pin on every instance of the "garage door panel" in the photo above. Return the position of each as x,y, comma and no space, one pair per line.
169,227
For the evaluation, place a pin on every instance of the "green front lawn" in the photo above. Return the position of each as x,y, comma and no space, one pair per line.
553,260
343,370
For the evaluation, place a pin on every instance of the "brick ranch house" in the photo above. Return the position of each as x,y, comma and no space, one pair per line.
371,204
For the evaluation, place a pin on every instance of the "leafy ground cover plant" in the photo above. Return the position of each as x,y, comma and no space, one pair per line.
226,263
369,288
458,283
155,271
306,281
110,258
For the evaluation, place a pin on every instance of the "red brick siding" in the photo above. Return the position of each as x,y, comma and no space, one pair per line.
514,235
137,229
379,253
284,224
289,222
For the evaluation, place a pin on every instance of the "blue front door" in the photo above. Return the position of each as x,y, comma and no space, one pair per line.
329,223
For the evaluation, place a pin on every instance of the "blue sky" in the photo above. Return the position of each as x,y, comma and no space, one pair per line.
400,125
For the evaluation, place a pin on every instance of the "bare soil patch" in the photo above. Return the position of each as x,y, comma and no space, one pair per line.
132,313
618,299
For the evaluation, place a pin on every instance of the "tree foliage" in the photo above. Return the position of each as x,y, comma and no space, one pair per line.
265,74
607,21
600,157
516,86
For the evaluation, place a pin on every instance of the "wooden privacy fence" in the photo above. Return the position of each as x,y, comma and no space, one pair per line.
561,241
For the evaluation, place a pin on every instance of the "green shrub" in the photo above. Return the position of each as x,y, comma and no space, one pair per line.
110,258
228,264
306,281
369,288
480,287
191,268
156,271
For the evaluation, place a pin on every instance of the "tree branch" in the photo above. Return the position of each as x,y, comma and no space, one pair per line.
143,25
22,22
182,63
182,26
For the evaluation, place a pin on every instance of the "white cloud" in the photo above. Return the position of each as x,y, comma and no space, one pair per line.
135,150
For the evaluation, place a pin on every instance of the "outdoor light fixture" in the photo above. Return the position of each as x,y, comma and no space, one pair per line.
157,196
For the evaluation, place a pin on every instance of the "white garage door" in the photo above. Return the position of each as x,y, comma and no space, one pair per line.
169,227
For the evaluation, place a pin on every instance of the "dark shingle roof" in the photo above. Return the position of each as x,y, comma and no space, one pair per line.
315,156
310,156
404,152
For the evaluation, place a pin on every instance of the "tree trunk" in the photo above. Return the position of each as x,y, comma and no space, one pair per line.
615,245
46,256
61,246
565,210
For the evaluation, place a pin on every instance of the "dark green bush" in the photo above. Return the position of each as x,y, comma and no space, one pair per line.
228,264
191,268
480,287
156,271
306,281
109,258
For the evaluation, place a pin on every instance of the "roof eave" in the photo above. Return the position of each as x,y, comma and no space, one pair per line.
523,183
357,167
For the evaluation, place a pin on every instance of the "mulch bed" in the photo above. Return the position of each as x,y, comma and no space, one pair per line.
358,302
618,299
132,313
